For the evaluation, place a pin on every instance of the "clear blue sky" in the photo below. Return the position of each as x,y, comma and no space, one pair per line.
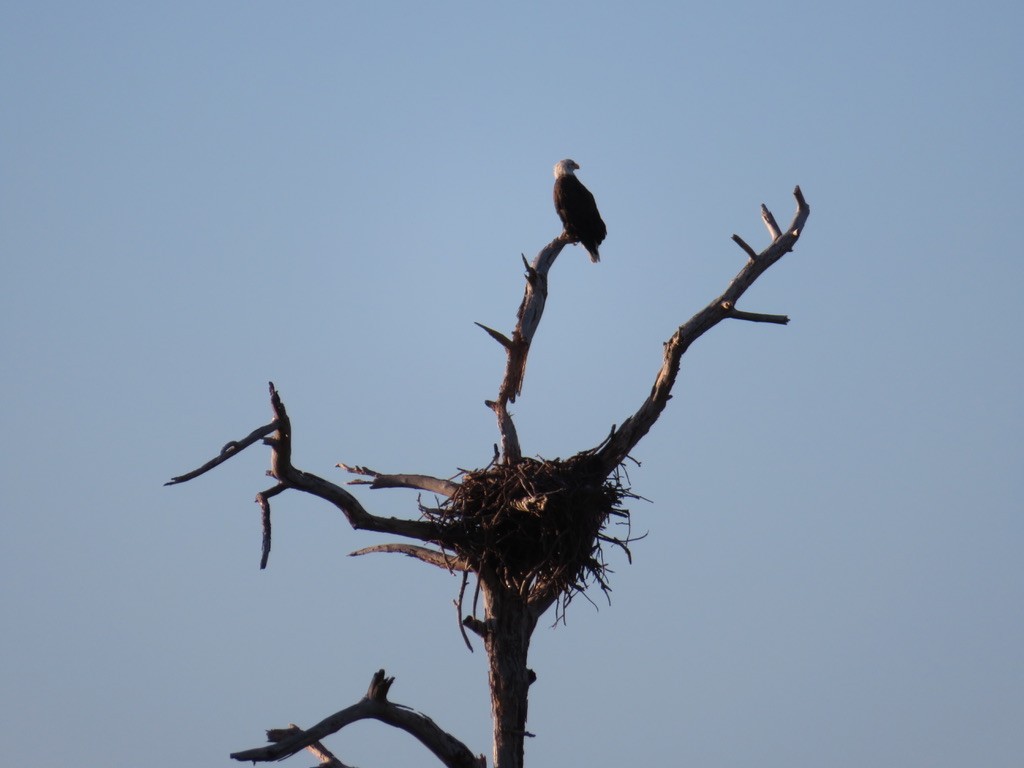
196,198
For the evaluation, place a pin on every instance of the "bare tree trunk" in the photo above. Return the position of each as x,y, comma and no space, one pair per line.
509,626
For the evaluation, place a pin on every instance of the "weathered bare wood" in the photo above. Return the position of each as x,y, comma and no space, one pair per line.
510,449
755,317
510,624
263,499
473,623
375,705
323,754
517,348
746,248
534,299
427,555
357,515
631,431
228,451
419,482
769,222
289,477
498,336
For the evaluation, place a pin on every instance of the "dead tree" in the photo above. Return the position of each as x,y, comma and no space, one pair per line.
529,532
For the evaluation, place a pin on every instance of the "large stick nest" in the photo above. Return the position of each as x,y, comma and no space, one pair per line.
538,526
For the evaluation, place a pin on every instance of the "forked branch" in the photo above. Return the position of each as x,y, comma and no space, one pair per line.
289,477
375,706
617,446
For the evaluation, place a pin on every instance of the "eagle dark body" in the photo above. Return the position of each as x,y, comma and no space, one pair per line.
578,210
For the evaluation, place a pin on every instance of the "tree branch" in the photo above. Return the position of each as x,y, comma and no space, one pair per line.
517,348
263,499
419,482
427,555
509,436
618,445
322,753
498,336
530,312
769,222
746,248
754,317
375,705
233,448
289,477
282,469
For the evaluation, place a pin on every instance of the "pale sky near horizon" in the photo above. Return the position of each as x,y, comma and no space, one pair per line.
198,198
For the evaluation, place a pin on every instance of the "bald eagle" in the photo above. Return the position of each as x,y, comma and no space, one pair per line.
577,209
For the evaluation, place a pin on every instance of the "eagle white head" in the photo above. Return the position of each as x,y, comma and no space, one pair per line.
565,168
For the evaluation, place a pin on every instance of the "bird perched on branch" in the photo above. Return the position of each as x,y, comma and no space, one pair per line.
577,209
